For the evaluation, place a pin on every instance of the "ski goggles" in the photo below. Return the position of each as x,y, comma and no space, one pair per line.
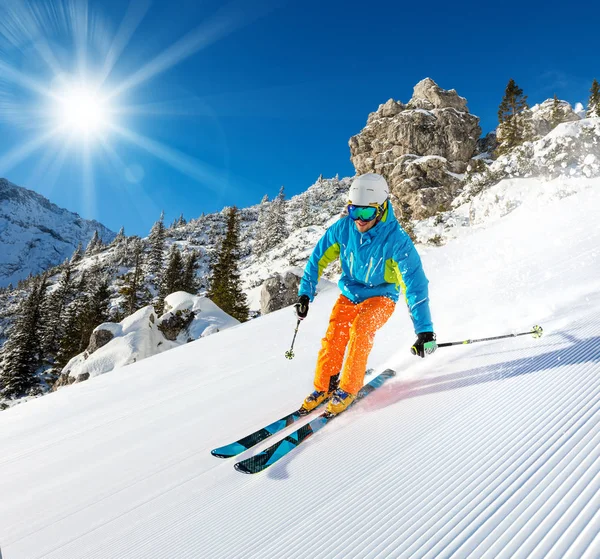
363,213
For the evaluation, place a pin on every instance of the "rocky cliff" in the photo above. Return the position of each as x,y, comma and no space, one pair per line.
421,148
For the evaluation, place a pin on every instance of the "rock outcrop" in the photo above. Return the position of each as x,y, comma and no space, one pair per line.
542,119
98,339
280,290
421,147
173,323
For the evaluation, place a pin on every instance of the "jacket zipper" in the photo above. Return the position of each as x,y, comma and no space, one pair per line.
369,270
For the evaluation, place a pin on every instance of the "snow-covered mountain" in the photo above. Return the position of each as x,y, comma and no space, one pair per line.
487,450
36,234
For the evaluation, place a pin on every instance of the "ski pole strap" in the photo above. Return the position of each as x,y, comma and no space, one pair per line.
536,331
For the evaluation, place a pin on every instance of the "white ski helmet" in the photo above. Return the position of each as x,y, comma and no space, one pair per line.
368,189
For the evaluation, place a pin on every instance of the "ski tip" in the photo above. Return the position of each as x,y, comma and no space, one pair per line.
220,455
390,372
241,468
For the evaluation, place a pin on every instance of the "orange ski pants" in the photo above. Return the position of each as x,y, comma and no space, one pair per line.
353,325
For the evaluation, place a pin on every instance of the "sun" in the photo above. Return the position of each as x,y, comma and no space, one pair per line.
81,110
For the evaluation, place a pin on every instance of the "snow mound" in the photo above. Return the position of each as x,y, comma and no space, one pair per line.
208,317
142,335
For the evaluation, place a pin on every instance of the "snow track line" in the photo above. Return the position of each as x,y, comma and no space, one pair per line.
412,511
552,495
502,495
511,426
523,464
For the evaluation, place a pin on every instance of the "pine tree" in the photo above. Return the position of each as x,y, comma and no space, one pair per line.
303,217
261,232
119,238
72,341
157,247
225,285
278,227
133,288
94,245
190,268
98,304
556,115
77,255
54,310
89,309
22,351
512,127
173,274
594,101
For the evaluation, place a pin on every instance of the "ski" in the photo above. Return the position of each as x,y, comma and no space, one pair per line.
233,449
269,456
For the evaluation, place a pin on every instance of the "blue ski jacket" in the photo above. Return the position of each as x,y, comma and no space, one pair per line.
379,263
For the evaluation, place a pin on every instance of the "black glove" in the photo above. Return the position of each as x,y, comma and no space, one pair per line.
424,345
302,306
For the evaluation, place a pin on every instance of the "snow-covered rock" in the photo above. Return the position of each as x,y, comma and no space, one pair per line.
139,336
572,149
208,317
36,234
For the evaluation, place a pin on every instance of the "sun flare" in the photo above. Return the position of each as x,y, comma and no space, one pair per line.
81,111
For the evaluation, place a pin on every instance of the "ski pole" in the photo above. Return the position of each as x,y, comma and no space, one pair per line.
536,331
290,352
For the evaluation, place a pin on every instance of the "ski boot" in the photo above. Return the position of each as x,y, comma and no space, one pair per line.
315,399
340,400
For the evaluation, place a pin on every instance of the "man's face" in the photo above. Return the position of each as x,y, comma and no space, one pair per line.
364,226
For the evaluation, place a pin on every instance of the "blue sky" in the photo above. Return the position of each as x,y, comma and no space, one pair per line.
233,100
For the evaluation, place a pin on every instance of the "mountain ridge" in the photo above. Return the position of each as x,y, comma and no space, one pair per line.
36,234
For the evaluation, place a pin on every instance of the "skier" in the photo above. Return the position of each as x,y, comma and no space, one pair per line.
378,261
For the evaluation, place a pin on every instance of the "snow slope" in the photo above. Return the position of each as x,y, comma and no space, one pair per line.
489,450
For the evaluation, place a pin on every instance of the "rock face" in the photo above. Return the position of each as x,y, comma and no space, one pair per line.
98,339
279,291
421,148
541,117
174,322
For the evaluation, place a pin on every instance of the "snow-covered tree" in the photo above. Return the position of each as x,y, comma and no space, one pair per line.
594,101
172,279
95,244
89,309
302,217
21,354
53,311
157,247
190,268
278,228
512,128
77,255
261,232
133,289
119,238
